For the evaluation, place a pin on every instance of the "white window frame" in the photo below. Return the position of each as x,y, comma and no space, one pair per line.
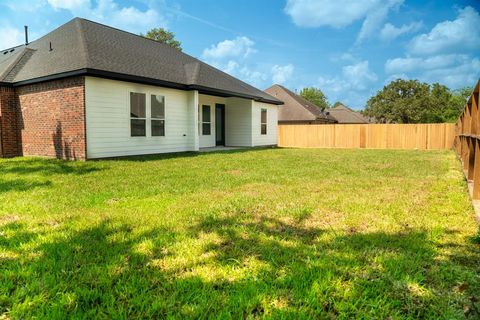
207,122
164,115
134,118
264,123
148,114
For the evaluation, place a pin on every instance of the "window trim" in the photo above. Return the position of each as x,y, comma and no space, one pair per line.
207,122
148,114
264,123
135,118
164,116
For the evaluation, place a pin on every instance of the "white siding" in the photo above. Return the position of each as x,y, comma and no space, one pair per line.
108,119
107,108
208,140
193,114
238,122
272,124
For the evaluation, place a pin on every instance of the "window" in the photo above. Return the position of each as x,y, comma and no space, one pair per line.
138,117
263,121
157,108
206,121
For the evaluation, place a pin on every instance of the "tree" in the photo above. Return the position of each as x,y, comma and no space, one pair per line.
163,36
338,103
315,96
401,101
412,101
458,101
440,98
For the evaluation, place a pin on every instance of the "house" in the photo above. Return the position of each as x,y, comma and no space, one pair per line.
86,90
346,115
296,109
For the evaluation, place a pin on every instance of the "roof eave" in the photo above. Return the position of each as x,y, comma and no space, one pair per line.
144,80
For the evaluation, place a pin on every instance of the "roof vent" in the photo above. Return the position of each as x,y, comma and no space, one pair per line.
11,50
26,35
5,52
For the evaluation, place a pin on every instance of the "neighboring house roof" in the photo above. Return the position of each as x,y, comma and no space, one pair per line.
295,107
83,47
346,115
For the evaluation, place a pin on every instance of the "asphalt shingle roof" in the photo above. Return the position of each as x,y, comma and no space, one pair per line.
85,47
346,115
295,107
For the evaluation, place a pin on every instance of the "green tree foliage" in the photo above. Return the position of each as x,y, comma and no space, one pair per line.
315,96
164,36
459,98
338,103
412,101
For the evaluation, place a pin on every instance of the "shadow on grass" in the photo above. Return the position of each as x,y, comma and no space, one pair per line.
21,185
175,155
47,167
27,174
275,268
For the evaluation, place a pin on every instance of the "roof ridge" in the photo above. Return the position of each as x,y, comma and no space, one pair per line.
83,41
307,105
15,62
192,71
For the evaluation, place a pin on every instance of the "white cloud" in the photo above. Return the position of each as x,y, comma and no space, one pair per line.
453,70
375,18
129,18
337,14
281,74
390,32
352,86
341,13
230,67
238,47
394,77
24,5
11,37
234,56
359,76
69,4
231,56
111,13
254,77
455,76
448,54
461,34
402,65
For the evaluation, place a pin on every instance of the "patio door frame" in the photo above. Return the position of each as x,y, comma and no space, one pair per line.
221,107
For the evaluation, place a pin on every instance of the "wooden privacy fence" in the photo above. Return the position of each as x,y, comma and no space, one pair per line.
467,141
374,136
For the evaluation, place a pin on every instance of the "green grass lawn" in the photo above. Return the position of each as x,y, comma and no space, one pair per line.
278,233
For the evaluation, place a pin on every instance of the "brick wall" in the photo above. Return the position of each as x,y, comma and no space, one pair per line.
51,118
45,119
8,123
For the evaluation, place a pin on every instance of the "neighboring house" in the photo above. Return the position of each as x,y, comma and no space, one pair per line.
86,90
346,115
296,109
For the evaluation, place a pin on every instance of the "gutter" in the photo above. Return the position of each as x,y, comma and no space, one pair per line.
143,80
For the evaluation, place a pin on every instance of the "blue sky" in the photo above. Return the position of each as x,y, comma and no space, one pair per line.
348,48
